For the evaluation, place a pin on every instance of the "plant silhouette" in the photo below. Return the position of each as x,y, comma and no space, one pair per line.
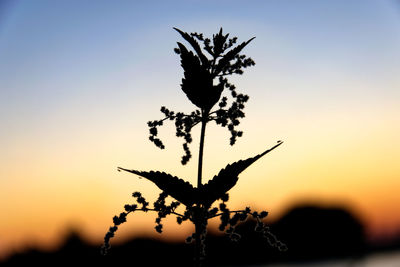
205,78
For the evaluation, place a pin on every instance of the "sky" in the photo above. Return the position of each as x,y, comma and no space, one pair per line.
80,79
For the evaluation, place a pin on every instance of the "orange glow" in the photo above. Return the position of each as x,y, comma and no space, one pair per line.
74,105
358,166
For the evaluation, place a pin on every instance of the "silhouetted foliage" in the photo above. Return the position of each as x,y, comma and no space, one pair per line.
200,72
205,77
207,194
313,233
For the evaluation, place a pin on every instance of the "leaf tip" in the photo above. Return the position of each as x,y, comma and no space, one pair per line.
178,30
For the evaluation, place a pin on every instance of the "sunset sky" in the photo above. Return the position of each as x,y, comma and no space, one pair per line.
80,79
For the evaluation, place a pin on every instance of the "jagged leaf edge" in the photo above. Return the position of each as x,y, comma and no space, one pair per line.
230,55
228,177
195,45
174,186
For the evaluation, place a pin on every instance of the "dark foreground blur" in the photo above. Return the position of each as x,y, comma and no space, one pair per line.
311,234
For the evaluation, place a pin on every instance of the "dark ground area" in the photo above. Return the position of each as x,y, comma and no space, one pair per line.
310,233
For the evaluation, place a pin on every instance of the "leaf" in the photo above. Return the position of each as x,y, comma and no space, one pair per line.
188,59
195,45
227,178
230,55
185,193
177,188
197,83
219,40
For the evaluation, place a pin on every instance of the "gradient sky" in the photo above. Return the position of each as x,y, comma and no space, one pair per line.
80,79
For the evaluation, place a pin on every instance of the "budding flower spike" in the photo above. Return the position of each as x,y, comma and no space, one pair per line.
200,75
205,77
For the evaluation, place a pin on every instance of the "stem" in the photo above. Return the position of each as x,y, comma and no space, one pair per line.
200,222
203,131
197,245
198,219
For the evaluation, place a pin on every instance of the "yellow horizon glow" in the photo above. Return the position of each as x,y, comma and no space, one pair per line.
357,167
74,104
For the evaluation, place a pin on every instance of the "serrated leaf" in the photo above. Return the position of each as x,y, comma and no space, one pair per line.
197,83
188,59
195,45
227,178
185,193
219,40
230,56
177,188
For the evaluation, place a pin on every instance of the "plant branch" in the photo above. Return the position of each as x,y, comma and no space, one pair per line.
231,211
202,135
146,210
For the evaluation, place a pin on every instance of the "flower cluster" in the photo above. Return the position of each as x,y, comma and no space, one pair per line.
198,215
183,123
200,74
159,206
230,219
205,78
163,210
117,220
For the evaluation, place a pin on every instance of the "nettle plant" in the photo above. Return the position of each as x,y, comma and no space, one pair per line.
205,79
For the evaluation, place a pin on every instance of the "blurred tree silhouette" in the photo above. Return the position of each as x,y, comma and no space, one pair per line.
205,78
313,233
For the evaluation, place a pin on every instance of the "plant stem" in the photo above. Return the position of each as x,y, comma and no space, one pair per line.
197,245
197,219
202,135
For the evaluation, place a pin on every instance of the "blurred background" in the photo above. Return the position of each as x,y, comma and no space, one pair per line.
80,79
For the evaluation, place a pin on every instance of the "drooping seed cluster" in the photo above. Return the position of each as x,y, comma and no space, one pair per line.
205,79
183,123
117,220
200,74
163,210
198,215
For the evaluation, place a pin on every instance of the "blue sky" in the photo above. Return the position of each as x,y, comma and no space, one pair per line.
49,50
80,79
